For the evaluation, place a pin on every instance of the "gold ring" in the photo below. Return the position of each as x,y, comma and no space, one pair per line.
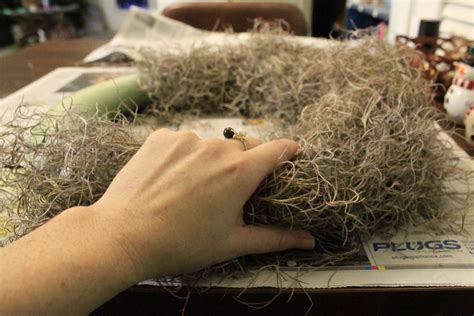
230,133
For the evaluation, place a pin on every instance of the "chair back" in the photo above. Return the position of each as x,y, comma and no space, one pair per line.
237,15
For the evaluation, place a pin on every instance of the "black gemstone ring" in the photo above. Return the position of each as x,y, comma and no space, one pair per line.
230,133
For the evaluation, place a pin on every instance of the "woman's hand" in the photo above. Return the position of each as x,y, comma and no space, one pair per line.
177,205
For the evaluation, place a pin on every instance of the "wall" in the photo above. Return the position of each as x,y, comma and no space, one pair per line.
113,15
457,17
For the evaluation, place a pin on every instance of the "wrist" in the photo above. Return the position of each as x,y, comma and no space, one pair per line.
116,242
146,246
73,257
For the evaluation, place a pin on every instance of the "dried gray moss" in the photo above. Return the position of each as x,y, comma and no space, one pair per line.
370,159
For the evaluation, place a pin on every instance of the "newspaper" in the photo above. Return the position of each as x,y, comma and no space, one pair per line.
142,28
147,28
413,258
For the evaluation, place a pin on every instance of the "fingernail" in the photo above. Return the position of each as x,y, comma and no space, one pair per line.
307,241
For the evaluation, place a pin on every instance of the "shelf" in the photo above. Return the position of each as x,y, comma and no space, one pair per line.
54,10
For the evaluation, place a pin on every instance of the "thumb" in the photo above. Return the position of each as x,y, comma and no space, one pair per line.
256,239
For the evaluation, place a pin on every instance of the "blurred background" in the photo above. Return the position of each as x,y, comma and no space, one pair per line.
23,22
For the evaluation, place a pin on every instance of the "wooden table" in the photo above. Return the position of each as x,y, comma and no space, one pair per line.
33,62
326,302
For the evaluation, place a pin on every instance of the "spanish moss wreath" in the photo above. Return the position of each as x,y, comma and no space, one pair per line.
370,159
